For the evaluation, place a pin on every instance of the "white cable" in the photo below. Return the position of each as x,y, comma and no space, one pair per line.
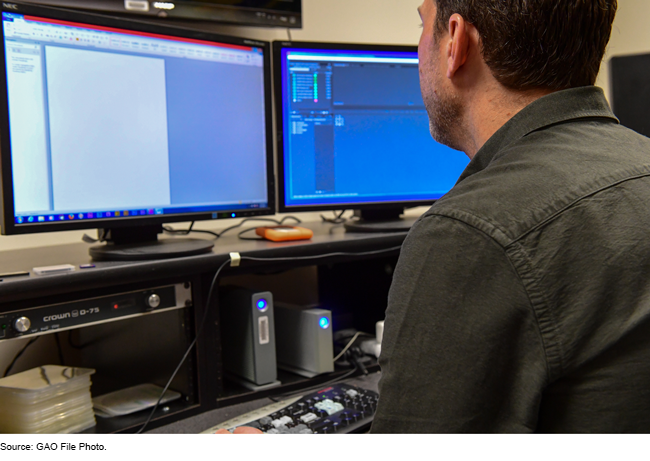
347,347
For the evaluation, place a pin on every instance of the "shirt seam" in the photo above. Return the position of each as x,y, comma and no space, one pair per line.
573,203
533,308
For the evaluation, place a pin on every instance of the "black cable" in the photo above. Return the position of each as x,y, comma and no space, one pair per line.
191,346
328,255
189,230
337,219
241,234
71,344
355,354
217,235
13,362
59,348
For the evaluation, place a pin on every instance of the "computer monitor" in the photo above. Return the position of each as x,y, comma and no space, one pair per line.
266,13
122,126
629,78
353,133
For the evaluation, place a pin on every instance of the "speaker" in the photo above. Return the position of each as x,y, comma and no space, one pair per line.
248,336
304,339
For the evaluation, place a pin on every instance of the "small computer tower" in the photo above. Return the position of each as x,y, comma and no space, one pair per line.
304,339
248,336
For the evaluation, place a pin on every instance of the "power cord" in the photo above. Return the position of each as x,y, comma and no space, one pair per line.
191,346
345,349
337,219
216,235
21,352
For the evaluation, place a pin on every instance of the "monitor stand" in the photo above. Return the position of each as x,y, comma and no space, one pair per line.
384,220
141,243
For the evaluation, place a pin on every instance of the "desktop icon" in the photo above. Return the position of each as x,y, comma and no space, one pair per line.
62,218
70,216
90,215
41,218
126,213
81,216
19,219
50,218
117,213
30,219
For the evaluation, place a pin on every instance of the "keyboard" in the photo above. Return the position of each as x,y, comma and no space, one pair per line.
337,409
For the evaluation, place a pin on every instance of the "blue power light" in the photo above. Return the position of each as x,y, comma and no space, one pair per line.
261,304
233,215
324,323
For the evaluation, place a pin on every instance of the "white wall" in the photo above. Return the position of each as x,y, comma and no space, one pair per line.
374,21
630,35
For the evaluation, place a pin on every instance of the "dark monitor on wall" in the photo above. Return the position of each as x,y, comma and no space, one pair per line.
630,91
353,133
111,124
265,13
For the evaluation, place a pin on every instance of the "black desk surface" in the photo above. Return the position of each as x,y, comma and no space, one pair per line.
328,238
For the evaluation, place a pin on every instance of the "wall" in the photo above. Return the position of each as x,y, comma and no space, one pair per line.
630,34
373,21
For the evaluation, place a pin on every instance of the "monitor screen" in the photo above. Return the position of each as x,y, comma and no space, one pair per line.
354,129
107,126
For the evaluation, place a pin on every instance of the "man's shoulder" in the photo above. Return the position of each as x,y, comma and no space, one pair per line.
545,173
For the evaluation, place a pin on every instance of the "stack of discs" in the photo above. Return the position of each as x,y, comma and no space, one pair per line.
51,399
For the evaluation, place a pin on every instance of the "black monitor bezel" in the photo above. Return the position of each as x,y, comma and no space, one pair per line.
7,216
278,46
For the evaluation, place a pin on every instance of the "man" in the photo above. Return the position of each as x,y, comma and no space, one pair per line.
521,301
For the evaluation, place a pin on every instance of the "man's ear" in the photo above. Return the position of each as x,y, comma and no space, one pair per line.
459,42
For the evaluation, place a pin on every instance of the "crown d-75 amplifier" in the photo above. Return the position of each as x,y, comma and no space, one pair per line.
92,311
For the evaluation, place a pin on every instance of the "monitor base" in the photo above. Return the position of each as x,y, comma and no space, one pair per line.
158,249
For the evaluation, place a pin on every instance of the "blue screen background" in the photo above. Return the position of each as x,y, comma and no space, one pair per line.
369,142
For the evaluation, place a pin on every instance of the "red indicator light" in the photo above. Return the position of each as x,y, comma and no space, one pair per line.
115,306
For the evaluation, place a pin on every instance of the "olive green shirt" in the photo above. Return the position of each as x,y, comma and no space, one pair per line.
521,300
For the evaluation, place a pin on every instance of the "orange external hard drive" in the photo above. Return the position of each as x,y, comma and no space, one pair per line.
284,233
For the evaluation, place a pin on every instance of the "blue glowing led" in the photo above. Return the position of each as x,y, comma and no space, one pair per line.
261,304
324,323
233,215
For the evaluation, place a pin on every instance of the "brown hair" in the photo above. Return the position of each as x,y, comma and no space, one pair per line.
533,44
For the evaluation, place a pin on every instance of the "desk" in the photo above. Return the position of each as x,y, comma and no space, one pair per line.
126,352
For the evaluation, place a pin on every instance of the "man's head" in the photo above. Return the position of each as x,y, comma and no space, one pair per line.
525,46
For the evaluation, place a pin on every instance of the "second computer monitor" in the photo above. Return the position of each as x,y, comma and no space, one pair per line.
354,132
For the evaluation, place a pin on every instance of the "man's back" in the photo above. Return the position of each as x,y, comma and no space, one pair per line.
522,299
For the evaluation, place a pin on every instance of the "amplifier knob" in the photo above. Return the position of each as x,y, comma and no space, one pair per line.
153,301
22,324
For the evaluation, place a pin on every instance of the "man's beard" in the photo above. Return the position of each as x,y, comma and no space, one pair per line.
445,114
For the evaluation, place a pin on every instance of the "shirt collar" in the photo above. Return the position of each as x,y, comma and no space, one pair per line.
561,106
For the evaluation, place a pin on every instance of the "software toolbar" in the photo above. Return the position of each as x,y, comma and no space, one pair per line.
32,29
